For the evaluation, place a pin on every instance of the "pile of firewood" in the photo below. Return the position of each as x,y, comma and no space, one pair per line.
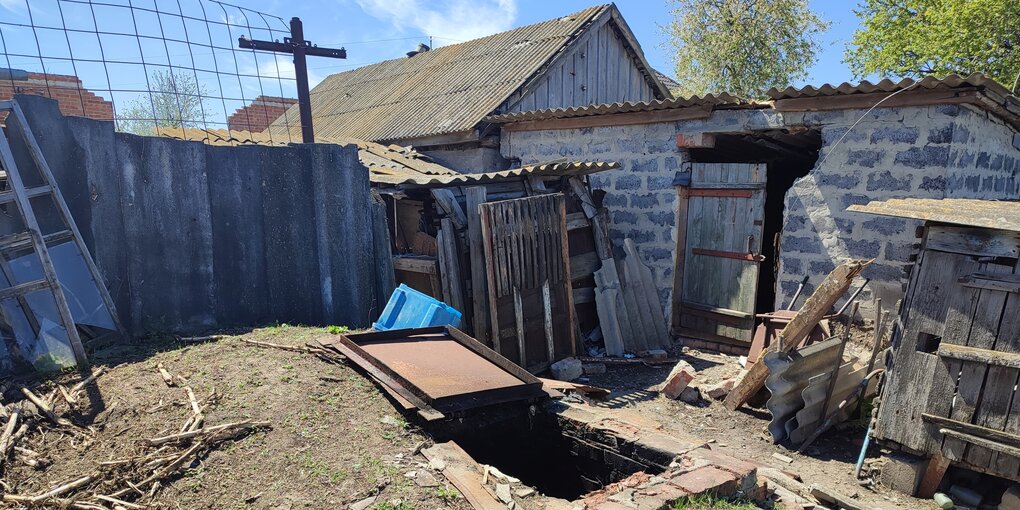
125,483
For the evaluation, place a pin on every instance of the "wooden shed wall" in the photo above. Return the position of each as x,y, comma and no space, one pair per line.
952,386
596,69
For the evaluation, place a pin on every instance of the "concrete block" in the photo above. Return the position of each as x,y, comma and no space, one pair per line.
929,155
886,181
678,379
628,182
903,472
895,135
567,369
708,479
690,395
864,157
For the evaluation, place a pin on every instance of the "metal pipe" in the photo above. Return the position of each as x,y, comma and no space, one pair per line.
796,295
853,296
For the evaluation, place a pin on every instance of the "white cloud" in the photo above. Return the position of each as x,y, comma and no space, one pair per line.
460,20
13,5
275,70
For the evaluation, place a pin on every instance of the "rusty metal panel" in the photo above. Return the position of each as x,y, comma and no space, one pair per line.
993,214
439,370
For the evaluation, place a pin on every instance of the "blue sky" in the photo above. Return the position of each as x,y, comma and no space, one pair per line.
371,30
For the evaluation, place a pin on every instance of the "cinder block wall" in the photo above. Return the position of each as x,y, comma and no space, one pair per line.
925,151
190,237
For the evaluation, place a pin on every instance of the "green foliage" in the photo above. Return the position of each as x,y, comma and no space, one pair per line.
400,505
175,100
711,502
447,493
744,47
336,330
921,37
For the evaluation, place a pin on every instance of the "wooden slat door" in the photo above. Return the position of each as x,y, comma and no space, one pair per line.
725,216
528,274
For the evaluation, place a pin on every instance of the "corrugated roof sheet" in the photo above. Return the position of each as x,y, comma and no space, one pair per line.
725,100
394,165
445,90
1002,215
866,87
626,107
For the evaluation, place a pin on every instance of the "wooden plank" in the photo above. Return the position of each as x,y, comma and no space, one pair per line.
7,197
577,221
489,264
568,291
475,196
683,203
598,218
448,203
1001,282
584,265
23,288
979,441
986,433
933,474
416,264
973,241
975,354
815,308
449,260
1009,341
865,101
519,316
550,340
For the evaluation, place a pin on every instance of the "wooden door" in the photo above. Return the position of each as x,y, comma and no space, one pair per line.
528,269
725,207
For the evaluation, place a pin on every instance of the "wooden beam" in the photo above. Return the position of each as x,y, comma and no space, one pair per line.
420,264
937,466
815,308
989,281
448,203
683,194
986,356
615,119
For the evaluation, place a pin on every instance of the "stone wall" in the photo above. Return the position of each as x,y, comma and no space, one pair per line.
190,237
925,151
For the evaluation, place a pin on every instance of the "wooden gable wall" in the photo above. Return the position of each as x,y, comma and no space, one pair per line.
597,68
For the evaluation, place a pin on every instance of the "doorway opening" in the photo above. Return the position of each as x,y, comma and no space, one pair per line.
788,154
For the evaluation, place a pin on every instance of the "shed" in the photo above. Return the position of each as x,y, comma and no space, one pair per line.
951,386
734,202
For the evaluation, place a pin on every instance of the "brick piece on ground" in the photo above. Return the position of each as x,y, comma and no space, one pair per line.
611,505
745,471
593,368
661,449
678,379
708,479
567,369
720,389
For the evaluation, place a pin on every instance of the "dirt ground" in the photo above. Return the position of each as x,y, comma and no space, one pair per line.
329,444
830,461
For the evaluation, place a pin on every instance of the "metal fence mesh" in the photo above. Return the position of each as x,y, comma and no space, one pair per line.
149,64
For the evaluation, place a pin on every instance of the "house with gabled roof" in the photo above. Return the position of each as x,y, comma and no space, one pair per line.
437,100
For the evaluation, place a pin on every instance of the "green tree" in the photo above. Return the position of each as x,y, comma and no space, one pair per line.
921,37
744,47
176,100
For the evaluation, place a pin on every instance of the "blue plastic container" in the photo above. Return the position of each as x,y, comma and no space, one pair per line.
408,308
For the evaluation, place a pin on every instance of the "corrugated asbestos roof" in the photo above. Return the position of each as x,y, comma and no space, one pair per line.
725,100
445,90
394,165
953,81
1002,215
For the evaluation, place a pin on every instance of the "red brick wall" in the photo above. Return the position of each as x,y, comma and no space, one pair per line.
260,113
72,98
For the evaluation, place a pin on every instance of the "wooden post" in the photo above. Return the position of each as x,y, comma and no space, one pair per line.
681,257
475,196
937,466
814,309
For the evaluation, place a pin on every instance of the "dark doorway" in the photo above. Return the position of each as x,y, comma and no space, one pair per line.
789,155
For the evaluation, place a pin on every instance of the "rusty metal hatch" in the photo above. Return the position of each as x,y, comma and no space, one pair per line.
437,370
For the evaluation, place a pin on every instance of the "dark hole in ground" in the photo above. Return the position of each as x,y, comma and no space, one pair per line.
536,450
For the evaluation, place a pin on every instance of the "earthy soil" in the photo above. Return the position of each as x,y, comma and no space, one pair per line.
830,461
329,444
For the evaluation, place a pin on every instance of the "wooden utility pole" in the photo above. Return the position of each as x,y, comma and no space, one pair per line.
300,48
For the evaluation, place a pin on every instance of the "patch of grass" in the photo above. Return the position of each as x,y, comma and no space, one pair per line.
447,493
712,502
336,330
319,470
386,505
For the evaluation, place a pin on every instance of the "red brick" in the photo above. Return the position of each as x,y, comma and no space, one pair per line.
708,479
678,379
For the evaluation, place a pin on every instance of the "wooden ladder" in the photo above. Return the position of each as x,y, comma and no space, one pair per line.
33,239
